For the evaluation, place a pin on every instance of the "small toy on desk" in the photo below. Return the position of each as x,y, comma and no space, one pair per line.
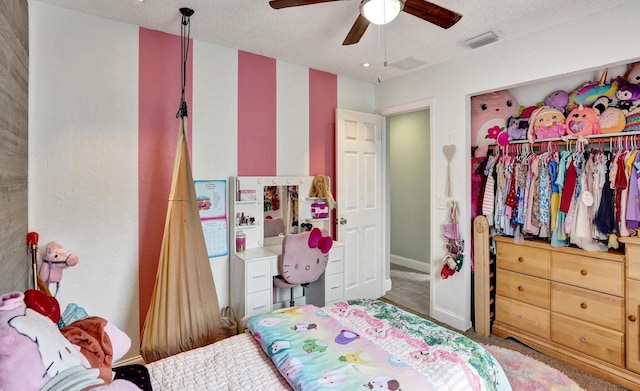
321,188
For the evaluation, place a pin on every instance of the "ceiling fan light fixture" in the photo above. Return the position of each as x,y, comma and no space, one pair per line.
381,11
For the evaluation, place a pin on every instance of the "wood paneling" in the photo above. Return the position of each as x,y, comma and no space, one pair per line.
14,85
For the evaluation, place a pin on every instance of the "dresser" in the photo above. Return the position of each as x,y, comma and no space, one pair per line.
252,274
577,306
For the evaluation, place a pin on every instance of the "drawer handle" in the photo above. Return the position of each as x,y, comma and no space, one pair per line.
583,339
259,307
335,260
632,318
520,288
583,306
335,287
259,276
520,259
583,272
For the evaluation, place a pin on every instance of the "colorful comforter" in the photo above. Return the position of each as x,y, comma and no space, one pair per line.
371,344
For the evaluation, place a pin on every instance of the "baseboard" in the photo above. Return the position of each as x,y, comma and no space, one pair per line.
450,319
410,263
130,361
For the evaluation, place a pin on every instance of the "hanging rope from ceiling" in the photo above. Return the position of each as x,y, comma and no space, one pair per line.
185,34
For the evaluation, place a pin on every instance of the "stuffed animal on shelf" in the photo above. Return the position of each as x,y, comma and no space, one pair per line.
557,99
489,115
591,91
628,96
612,119
633,73
546,122
517,128
55,260
583,121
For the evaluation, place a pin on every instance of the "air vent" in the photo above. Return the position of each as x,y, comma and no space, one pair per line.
481,40
408,63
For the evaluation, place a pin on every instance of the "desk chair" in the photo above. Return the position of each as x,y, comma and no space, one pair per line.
303,260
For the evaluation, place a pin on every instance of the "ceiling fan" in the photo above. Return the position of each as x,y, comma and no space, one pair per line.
425,10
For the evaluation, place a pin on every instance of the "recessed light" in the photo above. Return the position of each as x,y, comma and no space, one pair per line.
366,64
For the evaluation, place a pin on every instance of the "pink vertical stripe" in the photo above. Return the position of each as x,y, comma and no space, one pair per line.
323,101
256,115
158,101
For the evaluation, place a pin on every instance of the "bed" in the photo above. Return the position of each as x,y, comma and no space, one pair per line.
441,358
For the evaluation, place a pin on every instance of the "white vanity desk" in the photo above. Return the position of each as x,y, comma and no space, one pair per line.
252,271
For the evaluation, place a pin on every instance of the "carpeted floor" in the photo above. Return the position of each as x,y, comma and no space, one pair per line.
586,381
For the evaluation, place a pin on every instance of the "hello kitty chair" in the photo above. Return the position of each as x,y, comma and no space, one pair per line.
303,260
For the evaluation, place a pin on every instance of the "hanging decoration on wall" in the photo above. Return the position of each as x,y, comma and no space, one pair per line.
452,262
448,151
184,313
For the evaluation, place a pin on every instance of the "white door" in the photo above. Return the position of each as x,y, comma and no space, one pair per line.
359,201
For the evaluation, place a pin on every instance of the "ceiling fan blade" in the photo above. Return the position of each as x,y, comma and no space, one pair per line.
357,31
277,4
432,13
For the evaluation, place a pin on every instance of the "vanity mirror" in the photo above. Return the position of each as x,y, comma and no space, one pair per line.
280,211
270,204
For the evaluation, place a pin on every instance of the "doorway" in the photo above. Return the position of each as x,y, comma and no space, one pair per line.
408,162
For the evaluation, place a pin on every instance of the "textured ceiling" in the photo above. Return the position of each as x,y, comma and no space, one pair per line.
312,35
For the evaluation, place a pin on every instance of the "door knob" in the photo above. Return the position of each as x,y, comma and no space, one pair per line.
343,221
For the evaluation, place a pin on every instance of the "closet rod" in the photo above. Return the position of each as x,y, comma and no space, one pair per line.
564,140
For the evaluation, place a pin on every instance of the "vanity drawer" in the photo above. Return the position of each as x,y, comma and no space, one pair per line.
526,317
336,262
524,288
592,273
258,275
596,341
258,303
334,286
523,259
593,307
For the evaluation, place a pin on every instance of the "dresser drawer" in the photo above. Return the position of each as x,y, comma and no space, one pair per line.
633,261
258,275
258,303
593,307
596,341
334,285
524,288
526,317
523,259
592,273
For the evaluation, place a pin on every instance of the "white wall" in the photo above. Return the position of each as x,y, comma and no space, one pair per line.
554,54
83,133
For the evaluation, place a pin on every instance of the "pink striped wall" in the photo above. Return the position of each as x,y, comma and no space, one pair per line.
159,96
323,101
256,115
158,101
